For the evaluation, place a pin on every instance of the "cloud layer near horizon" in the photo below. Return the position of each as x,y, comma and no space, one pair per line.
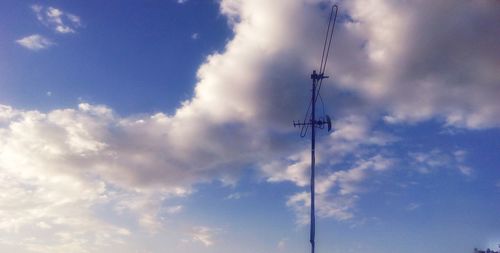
400,63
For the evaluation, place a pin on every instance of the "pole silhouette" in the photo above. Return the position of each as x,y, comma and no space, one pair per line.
317,80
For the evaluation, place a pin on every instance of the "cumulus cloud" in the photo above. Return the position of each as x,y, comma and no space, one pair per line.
35,42
420,64
56,19
57,168
53,212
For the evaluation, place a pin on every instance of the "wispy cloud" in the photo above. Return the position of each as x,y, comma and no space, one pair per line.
174,209
203,235
281,246
435,159
35,42
182,1
237,195
338,192
465,170
195,36
56,19
413,206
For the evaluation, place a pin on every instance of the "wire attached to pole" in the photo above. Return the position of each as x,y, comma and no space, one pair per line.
310,117
329,34
326,50
324,61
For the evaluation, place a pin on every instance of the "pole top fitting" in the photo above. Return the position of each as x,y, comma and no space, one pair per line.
316,76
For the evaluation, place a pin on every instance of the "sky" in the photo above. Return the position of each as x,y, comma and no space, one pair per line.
166,126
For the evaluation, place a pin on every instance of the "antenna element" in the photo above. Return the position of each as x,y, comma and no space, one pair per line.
317,80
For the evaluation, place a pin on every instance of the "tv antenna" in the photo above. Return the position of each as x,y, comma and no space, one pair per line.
312,122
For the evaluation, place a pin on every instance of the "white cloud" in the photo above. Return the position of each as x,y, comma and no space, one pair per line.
56,168
328,205
237,195
427,162
413,206
35,42
349,135
295,169
61,208
460,155
203,235
282,244
352,143
466,170
348,180
195,36
418,70
337,192
56,19
174,209
182,1
435,159
387,61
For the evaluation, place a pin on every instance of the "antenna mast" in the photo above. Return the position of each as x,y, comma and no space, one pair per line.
317,80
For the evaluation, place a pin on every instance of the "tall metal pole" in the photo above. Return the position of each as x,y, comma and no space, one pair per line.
314,77
313,123
317,80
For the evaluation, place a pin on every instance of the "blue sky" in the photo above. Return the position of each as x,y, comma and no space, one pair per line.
167,126
117,59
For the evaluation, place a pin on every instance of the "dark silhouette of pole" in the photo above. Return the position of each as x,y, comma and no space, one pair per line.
313,123
317,80
312,233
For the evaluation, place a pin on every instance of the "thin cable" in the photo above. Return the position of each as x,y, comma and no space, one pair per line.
303,130
315,95
330,33
322,104
324,57
326,39
319,88
307,112
324,60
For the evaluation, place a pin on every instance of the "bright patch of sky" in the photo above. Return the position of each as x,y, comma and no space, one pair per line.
132,126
